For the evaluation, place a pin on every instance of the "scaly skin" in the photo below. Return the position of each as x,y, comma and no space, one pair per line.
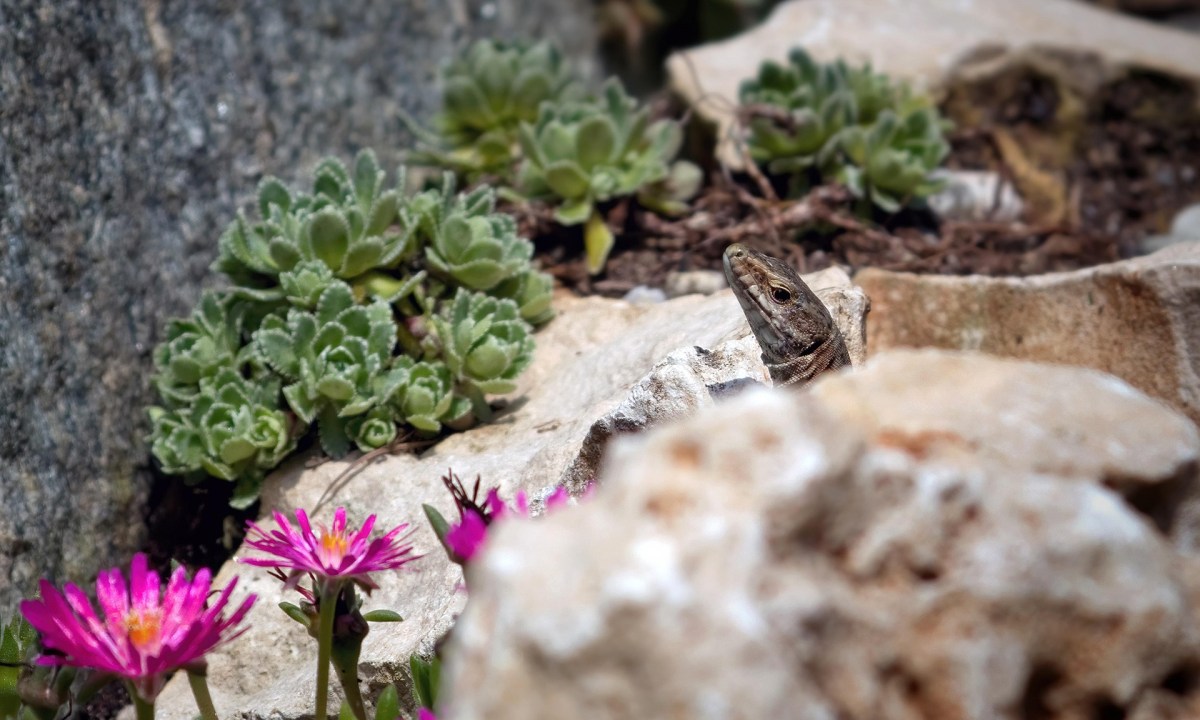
798,337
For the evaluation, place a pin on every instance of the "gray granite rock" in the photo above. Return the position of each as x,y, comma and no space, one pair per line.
129,133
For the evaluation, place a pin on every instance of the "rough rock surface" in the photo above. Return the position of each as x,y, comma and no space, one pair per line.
129,133
697,377
815,555
954,37
587,360
1138,319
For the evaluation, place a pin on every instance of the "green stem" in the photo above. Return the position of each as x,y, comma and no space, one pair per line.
326,613
349,680
144,708
199,683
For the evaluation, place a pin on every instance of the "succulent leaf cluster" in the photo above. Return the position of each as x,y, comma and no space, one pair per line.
235,429
347,223
816,122
355,312
579,154
487,93
465,241
516,114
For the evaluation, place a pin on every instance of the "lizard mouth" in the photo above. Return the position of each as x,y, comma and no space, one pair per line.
746,281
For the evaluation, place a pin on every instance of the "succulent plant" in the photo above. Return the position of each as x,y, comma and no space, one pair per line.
810,102
891,161
532,292
335,360
197,347
822,121
486,94
485,344
465,242
348,223
426,398
303,285
373,429
362,308
234,429
582,153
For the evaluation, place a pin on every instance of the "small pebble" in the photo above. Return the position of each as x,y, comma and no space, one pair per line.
694,282
645,294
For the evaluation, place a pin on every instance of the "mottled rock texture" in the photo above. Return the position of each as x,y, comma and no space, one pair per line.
839,553
129,133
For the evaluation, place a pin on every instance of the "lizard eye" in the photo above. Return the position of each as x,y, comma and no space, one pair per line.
780,295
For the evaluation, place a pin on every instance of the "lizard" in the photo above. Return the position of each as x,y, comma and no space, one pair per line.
797,334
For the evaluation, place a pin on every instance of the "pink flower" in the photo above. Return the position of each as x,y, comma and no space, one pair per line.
465,538
426,714
143,636
334,554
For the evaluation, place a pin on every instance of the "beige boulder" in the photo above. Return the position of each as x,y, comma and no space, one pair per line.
824,554
1138,319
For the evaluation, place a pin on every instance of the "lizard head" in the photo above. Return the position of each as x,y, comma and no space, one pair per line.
786,316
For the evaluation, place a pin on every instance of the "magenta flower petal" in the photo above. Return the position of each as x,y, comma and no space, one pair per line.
426,714
559,498
466,537
146,634
333,554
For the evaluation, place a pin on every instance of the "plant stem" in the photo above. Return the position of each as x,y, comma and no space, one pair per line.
199,683
326,613
143,708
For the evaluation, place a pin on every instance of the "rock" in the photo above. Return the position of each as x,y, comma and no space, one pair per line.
131,133
586,361
777,556
975,195
954,39
696,377
641,294
1136,319
1055,420
1187,223
687,282
1184,228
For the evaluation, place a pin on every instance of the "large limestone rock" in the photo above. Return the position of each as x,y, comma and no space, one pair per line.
825,554
929,42
1138,319
131,131
586,363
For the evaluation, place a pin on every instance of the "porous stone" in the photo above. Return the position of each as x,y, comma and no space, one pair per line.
930,43
586,361
781,556
130,133
1138,319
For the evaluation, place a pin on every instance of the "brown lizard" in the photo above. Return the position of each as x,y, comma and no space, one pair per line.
797,334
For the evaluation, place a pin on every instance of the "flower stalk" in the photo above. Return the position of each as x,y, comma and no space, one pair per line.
326,612
198,680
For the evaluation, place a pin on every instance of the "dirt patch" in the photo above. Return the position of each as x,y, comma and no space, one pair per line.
1101,162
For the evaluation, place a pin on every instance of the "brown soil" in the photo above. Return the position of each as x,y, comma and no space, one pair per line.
1098,176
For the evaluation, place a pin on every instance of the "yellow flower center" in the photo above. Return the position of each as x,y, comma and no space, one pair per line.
333,546
144,627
